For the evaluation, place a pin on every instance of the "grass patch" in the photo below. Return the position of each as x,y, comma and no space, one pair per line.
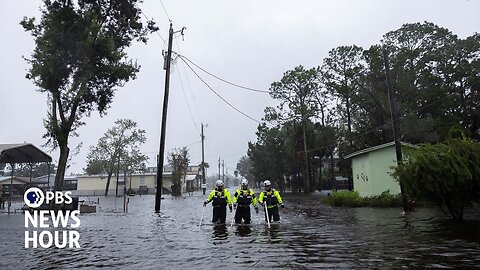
353,199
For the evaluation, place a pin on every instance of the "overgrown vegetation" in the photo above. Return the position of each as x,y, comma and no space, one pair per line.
447,174
345,106
118,150
353,199
179,159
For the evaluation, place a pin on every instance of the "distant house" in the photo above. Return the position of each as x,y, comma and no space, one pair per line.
138,182
192,178
16,186
47,182
330,175
144,183
372,168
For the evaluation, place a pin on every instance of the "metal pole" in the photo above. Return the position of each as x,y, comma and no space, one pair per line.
201,217
158,195
124,190
204,182
30,164
266,213
48,184
394,115
11,188
118,171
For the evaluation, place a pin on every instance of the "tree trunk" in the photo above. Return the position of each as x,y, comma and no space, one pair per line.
108,182
306,174
62,166
349,122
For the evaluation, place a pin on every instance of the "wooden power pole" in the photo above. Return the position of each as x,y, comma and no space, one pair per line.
158,195
394,115
218,168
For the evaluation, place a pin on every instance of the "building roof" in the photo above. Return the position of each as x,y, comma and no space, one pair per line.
378,147
22,153
44,178
7,179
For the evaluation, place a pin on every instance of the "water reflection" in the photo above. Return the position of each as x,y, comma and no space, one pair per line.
220,232
273,232
243,230
310,235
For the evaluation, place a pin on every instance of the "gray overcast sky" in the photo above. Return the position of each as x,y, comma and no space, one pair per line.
248,42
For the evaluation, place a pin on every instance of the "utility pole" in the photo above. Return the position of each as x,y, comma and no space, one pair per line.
158,195
394,115
204,182
218,167
11,188
223,171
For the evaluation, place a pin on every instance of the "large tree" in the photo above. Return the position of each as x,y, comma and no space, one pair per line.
179,159
419,53
341,73
80,60
267,155
117,149
296,92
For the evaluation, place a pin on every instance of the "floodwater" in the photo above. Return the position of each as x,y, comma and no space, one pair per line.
311,235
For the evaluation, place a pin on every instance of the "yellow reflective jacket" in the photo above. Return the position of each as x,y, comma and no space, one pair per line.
245,197
272,198
220,198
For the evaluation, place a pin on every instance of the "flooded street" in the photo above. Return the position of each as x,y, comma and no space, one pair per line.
311,235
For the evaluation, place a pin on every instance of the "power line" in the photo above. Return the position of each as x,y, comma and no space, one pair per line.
224,100
189,86
193,143
223,80
164,41
186,101
166,13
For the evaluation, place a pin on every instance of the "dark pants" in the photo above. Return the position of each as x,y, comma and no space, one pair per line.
219,214
273,212
243,212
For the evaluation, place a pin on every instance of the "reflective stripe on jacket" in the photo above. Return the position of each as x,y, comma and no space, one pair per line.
220,198
272,198
245,197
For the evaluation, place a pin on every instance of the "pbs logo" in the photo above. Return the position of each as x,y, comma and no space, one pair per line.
33,197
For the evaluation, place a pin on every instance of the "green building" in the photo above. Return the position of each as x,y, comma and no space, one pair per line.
372,169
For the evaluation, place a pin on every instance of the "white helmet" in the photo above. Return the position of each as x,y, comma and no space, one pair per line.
219,183
244,182
267,183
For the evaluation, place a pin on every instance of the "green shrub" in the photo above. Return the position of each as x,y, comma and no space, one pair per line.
384,200
447,174
353,199
344,198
